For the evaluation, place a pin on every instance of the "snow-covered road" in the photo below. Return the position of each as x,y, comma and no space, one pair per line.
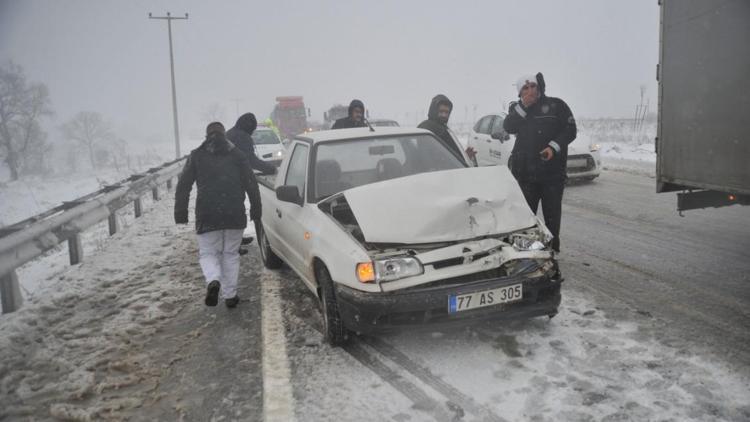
653,326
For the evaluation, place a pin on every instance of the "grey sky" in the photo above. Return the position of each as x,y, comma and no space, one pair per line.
107,56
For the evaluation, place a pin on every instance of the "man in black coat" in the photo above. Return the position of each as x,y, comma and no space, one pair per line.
241,135
437,123
355,117
544,126
223,176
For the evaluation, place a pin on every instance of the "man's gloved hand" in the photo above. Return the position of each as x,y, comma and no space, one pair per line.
547,154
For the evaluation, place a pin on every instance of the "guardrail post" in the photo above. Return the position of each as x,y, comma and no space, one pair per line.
75,249
10,292
169,185
138,209
112,223
155,193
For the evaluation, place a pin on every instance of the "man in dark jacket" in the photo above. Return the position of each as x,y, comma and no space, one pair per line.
223,176
355,117
544,126
437,123
241,135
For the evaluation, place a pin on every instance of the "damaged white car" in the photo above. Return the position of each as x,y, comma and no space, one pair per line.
389,229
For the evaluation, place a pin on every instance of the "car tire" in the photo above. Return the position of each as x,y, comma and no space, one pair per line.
333,327
270,259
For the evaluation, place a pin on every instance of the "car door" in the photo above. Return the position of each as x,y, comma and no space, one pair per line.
499,149
290,220
480,140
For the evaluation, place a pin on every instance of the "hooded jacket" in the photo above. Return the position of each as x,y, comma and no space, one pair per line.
223,177
547,123
241,136
440,129
348,122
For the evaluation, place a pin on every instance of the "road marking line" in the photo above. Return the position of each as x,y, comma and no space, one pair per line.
278,400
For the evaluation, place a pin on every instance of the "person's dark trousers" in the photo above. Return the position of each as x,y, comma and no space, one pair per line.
550,194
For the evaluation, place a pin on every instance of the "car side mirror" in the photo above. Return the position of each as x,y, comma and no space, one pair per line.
289,193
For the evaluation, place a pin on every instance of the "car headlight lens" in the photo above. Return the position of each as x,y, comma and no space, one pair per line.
526,243
279,153
594,147
390,269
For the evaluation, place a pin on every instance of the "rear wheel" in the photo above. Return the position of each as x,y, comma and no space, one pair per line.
270,259
333,327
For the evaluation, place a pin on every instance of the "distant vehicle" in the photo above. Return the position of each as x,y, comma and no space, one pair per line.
390,229
383,122
268,145
494,146
703,138
290,116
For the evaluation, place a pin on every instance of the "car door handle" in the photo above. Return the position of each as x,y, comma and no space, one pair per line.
278,213
489,141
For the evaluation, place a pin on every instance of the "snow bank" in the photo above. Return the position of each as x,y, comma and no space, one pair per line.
77,347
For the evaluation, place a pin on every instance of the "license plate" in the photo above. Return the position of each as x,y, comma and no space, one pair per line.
577,162
507,294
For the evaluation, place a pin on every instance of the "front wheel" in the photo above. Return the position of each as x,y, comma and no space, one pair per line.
333,327
270,259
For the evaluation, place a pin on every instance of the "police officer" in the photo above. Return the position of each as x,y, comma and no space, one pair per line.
544,126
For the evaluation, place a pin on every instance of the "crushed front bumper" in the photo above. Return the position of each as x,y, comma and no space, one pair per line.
367,312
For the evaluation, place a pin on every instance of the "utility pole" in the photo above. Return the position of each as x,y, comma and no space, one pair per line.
169,19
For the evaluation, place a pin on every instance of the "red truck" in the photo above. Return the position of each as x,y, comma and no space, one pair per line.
290,116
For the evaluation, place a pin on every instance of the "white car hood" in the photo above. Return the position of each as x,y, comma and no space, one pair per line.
441,206
267,148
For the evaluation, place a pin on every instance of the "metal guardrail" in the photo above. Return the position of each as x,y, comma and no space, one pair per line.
28,239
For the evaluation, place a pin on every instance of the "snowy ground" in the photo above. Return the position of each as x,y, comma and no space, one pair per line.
124,335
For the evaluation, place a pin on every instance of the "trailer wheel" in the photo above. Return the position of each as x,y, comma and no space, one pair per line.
333,328
270,259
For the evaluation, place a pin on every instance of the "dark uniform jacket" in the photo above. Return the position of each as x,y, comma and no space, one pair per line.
549,122
241,136
436,126
223,176
347,122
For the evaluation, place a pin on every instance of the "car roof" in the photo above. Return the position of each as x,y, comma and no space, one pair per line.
357,133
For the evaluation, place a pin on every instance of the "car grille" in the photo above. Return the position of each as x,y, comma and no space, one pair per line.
590,164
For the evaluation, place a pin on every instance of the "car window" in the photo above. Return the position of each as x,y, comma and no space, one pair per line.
295,174
351,163
484,124
497,124
478,124
265,137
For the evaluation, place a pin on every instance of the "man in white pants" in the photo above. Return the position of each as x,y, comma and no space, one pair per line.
223,176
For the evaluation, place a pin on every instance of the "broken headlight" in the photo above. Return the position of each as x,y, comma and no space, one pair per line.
390,269
526,243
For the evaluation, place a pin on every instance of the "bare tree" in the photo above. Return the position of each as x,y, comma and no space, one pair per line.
89,129
22,106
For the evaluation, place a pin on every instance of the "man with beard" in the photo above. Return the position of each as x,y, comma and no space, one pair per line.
223,176
437,123
355,117
544,126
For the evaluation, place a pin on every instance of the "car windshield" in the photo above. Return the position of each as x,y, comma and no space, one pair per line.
347,164
265,137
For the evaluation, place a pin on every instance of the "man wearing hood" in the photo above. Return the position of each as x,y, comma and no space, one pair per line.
241,135
355,117
223,176
544,126
437,123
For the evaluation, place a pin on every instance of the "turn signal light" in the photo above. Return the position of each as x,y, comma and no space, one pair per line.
732,197
365,272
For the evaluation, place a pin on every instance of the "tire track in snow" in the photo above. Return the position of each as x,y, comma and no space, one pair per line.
427,377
